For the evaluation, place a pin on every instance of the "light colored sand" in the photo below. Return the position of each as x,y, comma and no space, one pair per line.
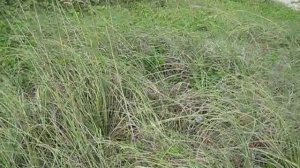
292,3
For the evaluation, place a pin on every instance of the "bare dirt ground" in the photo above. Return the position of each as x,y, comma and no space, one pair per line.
292,3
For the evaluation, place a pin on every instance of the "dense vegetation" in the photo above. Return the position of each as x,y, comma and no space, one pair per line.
186,83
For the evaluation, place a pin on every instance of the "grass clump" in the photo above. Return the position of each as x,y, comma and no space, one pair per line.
186,84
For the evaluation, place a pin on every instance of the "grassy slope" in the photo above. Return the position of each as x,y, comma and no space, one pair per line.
192,84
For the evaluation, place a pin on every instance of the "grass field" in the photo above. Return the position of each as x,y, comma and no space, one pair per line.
198,83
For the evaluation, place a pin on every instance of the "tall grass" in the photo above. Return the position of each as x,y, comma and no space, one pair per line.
191,84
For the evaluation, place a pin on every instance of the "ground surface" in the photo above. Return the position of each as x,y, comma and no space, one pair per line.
292,3
200,83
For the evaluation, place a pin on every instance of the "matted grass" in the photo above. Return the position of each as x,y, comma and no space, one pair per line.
173,84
